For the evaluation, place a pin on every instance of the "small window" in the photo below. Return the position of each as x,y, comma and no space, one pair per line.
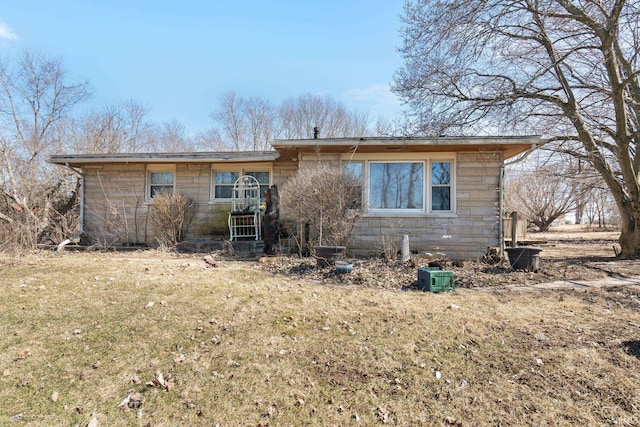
440,186
396,186
223,180
223,184
160,180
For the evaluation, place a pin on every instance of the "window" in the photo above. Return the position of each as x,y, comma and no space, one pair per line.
397,186
263,180
160,179
223,187
411,186
223,181
440,186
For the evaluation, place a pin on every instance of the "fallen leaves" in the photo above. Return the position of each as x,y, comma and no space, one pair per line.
383,415
393,274
24,354
134,400
168,384
451,421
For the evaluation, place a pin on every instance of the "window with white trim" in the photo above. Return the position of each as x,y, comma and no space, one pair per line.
440,186
396,186
406,186
160,179
223,181
223,184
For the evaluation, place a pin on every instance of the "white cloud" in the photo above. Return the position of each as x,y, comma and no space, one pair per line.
6,32
376,99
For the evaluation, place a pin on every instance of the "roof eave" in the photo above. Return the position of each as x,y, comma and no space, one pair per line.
201,157
510,146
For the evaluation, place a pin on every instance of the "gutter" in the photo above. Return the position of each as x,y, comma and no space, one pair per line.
65,242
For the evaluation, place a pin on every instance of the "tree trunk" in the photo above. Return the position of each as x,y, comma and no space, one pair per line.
579,213
629,231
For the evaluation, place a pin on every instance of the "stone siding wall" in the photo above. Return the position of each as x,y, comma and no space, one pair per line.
114,207
116,212
464,234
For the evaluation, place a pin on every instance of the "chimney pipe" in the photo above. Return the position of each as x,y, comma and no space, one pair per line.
316,132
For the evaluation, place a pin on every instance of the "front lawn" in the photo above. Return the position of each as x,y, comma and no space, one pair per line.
155,339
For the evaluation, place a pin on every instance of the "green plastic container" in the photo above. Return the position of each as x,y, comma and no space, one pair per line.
432,279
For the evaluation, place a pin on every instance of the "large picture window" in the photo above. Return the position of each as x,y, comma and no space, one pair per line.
424,186
396,186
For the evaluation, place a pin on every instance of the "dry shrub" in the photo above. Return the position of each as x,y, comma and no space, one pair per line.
48,214
326,198
170,215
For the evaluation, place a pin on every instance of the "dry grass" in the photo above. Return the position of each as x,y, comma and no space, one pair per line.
240,346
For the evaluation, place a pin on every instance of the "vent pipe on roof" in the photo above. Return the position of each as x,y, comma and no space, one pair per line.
316,132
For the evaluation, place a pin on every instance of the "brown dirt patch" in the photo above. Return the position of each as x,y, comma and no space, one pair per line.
568,254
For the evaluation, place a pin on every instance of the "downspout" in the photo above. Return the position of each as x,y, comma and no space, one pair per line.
501,210
65,242
501,191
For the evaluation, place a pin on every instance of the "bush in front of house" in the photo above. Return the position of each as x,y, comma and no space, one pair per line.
326,198
170,215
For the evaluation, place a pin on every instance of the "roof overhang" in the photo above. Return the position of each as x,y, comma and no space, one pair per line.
78,160
510,146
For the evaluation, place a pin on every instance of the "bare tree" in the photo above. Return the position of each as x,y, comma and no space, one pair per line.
565,68
231,117
600,208
210,140
35,102
262,126
121,127
249,124
298,117
170,137
541,195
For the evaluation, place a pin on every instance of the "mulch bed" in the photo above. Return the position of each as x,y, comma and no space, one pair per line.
392,274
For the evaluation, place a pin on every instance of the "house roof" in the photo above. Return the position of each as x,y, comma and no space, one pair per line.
191,157
510,145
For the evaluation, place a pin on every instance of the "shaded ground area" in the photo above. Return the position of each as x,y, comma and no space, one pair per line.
572,254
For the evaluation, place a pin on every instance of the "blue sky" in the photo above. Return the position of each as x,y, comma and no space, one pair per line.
180,57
